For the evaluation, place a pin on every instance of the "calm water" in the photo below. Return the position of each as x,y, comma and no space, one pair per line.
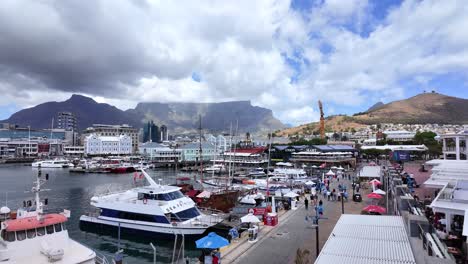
73,191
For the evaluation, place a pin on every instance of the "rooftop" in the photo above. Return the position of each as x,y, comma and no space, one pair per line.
367,239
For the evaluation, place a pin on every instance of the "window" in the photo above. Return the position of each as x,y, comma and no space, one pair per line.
50,229
58,227
40,231
8,236
21,235
31,233
187,214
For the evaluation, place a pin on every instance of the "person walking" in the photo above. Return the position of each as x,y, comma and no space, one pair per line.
306,203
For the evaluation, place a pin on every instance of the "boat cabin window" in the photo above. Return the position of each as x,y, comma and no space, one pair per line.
58,227
21,235
40,231
31,233
8,236
50,229
161,196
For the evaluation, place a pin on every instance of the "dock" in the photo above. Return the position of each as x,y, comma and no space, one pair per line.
279,244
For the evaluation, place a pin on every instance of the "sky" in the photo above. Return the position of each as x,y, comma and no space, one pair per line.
279,54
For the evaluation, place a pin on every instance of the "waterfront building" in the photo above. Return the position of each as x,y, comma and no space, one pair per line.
330,154
108,145
219,141
190,152
113,131
66,121
244,157
25,133
454,145
18,148
159,153
75,151
400,135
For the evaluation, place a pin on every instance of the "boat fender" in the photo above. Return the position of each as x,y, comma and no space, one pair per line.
145,201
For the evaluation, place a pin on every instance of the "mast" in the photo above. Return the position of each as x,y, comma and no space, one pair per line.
36,190
235,148
200,150
230,154
268,166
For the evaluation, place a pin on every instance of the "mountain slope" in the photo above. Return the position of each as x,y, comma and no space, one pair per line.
419,109
422,108
179,117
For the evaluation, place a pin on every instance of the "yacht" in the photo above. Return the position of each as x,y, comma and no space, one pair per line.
257,172
159,210
293,174
55,163
216,168
30,236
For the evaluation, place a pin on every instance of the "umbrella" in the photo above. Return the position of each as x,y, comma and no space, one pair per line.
250,218
376,182
314,166
379,191
330,173
291,194
204,194
334,167
309,183
248,200
374,209
341,168
212,240
374,196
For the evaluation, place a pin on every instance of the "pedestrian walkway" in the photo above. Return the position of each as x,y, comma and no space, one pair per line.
279,244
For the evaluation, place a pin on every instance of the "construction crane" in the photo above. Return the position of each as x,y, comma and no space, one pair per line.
322,121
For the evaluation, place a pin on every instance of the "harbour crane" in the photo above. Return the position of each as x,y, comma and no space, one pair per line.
322,121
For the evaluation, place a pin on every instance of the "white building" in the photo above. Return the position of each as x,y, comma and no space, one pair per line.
400,135
160,153
108,145
74,150
454,145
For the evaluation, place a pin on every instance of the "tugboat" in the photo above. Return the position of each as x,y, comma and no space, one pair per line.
30,236
154,210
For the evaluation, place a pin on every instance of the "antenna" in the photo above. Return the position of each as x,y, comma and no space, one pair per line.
200,151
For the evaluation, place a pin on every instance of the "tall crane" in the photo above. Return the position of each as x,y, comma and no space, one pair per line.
322,121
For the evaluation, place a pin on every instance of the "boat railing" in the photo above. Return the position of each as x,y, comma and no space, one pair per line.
102,259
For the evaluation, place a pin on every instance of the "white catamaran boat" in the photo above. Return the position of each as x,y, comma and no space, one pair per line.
156,210
55,163
31,236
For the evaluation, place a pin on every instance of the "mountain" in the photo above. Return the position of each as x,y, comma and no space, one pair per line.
179,117
420,109
375,106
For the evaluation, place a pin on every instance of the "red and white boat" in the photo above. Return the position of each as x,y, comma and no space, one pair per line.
30,236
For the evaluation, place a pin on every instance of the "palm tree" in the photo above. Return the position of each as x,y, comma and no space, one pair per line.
302,256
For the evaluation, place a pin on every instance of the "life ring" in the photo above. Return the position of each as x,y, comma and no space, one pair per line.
145,201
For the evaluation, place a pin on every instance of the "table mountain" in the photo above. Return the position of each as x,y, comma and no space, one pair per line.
179,117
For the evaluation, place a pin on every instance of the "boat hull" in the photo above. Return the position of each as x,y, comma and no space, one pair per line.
88,223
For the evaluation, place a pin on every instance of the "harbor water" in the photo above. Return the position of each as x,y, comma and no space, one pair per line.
73,191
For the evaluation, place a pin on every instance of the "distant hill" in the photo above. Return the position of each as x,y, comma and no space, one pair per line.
420,109
179,117
375,106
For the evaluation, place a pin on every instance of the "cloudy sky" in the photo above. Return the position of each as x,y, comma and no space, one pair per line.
279,54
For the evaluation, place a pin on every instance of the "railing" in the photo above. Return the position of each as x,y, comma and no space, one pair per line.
101,259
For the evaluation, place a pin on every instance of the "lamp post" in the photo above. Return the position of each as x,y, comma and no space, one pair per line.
342,202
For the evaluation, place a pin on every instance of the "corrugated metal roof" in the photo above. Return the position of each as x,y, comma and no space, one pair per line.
367,239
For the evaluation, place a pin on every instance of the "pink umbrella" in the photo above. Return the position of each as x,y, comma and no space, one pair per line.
374,196
374,209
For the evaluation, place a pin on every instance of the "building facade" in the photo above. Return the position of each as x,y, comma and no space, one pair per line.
113,131
454,145
151,133
160,153
108,145
67,121
191,152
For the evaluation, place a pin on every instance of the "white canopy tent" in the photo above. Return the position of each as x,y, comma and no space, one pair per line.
330,173
250,218
379,191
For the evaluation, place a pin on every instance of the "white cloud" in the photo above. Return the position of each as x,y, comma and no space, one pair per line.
131,51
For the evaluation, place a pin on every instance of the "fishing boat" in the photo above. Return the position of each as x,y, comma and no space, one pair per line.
55,163
153,210
31,236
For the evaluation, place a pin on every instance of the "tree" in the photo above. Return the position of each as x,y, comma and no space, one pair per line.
428,139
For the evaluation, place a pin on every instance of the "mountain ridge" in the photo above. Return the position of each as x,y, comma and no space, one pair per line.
179,117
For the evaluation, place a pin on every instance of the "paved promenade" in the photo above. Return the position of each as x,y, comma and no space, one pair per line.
279,244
